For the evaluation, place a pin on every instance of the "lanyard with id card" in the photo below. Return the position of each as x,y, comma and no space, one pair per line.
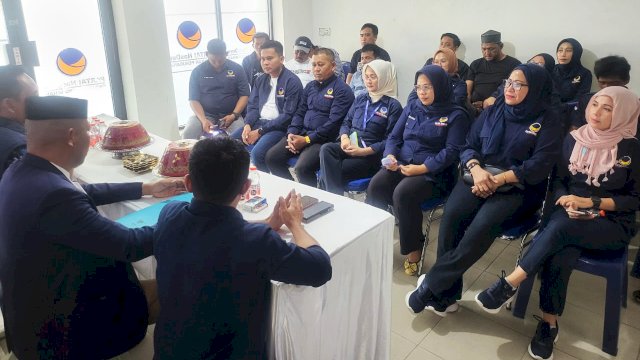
365,119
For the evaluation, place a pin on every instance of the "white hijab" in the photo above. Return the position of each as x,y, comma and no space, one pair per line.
387,83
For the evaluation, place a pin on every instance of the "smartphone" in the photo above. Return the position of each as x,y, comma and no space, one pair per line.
387,161
583,212
315,211
308,201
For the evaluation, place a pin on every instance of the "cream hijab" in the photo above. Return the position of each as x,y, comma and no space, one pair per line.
387,83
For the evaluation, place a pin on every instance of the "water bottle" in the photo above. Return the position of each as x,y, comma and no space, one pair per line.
254,189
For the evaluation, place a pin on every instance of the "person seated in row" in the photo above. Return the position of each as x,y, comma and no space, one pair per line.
446,59
518,142
301,62
488,72
68,288
364,131
571,79
548,63
452,41
218,93
251,63
323,106
15,87
610,71
368,53
215,268
273,102
585,180
421,156
368,35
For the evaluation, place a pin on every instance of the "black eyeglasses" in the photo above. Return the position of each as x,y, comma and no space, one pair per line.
516,85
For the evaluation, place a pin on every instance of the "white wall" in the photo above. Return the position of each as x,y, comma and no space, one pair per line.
410,29
290,20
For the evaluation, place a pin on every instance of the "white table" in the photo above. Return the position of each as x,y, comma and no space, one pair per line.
347,318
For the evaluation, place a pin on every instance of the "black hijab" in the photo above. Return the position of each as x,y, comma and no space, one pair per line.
572,69
533,105
443,91
549,62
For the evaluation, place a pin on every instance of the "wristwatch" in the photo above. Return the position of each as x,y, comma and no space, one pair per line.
260,131
472,165
235,115
596,202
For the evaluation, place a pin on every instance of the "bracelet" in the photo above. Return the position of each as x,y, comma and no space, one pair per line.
469,167
307,139
504,176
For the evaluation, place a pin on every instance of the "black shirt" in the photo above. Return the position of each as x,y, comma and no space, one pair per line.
355,59
487,75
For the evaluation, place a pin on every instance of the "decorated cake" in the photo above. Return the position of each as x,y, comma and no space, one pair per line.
124,135
175,160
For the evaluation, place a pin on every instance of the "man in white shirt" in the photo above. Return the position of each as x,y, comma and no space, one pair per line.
301,63
273,101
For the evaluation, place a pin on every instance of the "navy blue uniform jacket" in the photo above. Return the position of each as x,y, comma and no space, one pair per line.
13,143
288,92
68,290
529,148
322,109
382,117
435,141
214,272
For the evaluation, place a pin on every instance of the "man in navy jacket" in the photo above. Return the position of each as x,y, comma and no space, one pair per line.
273,102
323,106
69,291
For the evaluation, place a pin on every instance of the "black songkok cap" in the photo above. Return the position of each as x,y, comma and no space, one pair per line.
491,36
55,107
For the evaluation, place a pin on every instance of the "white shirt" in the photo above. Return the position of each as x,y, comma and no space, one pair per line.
269,110
302,70
68,176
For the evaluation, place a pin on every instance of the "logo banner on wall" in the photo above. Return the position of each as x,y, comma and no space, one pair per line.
72,63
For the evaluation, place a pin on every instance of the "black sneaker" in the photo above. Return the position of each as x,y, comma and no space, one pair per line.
541,346
439,307
496,296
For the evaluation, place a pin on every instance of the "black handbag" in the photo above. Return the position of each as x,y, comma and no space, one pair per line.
493,170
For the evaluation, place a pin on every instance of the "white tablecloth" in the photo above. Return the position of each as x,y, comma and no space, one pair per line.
347,318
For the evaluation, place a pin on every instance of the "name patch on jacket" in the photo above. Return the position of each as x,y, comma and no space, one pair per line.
230,73
329,94
623,162
280,92
533,129
442,121
410,118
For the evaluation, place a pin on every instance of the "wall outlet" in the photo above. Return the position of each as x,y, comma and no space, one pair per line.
324,31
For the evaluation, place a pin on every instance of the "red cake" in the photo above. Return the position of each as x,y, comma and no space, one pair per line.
124,135
175,160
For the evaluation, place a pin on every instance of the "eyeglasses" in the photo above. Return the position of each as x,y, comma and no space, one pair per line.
516,85
423,88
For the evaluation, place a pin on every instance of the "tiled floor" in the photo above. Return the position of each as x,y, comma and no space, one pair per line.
472,333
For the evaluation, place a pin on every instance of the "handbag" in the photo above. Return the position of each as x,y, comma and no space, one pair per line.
493,170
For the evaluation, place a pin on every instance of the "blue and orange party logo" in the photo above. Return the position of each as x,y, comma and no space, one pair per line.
245,30
71,61
189,35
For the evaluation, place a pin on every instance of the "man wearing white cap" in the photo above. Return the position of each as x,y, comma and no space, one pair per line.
301,63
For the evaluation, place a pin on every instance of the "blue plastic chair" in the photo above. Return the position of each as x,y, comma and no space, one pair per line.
292,161
346,68
429,207
611,265
355,187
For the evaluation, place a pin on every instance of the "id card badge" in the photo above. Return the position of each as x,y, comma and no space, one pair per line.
353,138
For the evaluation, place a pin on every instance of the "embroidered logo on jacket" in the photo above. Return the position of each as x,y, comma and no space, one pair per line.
382,112
280,92
576,80
533,129
624,161
329,94
442,121
230,73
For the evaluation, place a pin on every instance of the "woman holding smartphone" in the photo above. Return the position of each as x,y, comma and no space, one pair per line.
596,192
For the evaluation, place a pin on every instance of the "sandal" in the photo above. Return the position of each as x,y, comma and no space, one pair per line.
636,295
410,268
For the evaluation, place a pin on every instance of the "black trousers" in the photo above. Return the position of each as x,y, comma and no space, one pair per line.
405,193
468,227
338,168
557,247
306,166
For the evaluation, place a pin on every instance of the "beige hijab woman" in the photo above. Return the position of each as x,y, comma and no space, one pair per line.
387,82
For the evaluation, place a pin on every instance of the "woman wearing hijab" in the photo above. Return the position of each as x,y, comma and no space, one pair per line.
364,131
571,78
517,137
420,158
597,175
446,59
